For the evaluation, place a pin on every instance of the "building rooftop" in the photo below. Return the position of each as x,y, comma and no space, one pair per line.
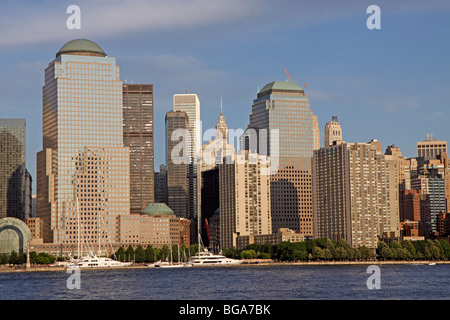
280,86
155,209
81,47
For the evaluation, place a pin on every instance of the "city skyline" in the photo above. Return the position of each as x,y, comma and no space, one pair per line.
349,70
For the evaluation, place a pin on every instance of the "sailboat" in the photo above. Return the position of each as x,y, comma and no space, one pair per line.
92,260
171,264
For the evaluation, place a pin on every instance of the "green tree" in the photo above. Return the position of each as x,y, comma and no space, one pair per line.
139,254
365,253
13,258
120,254
248,254
340,253
230,253
129,254
407,245
318,253
150,254
165,253
445,248
3,258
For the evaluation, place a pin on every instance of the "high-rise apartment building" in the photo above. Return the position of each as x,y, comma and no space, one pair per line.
431,148
244,196
138,136
332,132
177,166
284,125
355,193
83,170
15,181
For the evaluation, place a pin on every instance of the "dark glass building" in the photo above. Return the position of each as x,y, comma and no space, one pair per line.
138,136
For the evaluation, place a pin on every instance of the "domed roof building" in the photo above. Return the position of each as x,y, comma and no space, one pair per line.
81,47
157,209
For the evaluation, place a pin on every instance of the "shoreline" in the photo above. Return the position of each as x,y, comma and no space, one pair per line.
246,263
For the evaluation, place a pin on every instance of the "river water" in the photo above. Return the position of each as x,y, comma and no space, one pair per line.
341,282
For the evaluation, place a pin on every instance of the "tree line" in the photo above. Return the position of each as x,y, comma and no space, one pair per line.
324,249
15,258
150,254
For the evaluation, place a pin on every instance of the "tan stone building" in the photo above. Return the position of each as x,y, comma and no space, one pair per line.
431,148
355,193
283,234
332,132
156,225
244,188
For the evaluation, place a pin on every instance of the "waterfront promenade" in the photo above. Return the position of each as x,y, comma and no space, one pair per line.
246,263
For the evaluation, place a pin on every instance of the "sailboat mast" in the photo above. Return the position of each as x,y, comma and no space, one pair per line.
78,220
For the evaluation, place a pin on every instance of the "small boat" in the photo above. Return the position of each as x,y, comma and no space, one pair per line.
173,265
432,264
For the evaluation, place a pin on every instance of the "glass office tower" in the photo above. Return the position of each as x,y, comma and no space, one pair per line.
83,169
138,136
286,130
13,174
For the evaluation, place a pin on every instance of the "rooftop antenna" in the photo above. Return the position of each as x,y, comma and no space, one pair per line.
220,104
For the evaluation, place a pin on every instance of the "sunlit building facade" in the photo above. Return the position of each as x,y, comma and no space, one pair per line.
83,169
287,131
13,174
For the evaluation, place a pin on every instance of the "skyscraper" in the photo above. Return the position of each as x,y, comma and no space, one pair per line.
161,185
83,169
355,193
138,136
333,132
244,195
190,104
177,169
284,123
14,178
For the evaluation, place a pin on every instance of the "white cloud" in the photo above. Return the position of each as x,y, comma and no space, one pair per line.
33,22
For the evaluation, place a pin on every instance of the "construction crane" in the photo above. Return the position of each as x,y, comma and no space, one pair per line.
290,79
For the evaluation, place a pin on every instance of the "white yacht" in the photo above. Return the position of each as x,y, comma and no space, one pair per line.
206,258
166,264
98,262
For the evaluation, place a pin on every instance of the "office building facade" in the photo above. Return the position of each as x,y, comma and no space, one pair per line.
83,169
177,163
15,181
285,130
138,128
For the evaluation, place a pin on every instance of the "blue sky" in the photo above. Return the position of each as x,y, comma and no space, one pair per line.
390,84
